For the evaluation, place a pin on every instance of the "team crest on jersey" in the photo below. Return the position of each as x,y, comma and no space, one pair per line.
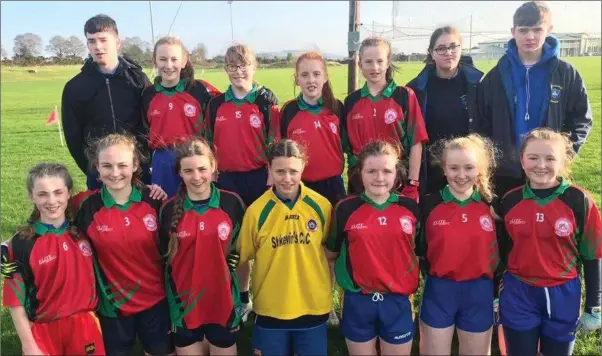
563,227
255,121
555,92
406,224
312,225
223,230
333,128
486,223
390,116
189,110
85,248
150,222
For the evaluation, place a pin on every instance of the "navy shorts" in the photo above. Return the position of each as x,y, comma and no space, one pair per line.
554,309
280,342
468,304
248,185
332,188
388,316
164,171
152,326
216,334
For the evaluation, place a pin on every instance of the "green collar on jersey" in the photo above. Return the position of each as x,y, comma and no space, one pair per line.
447,196
42,229
179,88
250,98
314,109
213,201
393,198
528,193
387,92
109,202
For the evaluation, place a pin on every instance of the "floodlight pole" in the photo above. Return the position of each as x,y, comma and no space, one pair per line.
231,21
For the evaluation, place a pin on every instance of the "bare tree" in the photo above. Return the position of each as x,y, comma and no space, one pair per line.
75,47
199,53
57,45
3,54
27,45
137,49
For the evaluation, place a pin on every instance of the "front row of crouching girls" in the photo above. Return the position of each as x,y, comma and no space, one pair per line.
167,275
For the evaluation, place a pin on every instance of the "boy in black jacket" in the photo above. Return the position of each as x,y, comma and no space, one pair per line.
529,88
104,97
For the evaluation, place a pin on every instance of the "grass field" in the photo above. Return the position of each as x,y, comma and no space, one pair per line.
27,100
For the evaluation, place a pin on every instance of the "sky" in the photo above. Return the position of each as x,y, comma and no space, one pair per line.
272,26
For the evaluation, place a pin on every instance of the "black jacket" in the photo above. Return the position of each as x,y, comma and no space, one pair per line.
94,105
419,85
568,110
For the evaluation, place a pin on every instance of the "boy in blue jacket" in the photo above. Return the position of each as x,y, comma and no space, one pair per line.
529,88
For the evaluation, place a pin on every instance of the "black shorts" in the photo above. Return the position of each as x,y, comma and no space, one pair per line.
216,334
152,326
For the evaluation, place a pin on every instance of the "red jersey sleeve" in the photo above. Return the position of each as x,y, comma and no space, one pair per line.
590,241
415,128
213,91
80,197
13,292
274,134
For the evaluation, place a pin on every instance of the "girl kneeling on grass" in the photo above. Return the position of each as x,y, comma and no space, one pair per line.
173,109
373,239
284,230
459,250
198,229
49,284
121,222
551,227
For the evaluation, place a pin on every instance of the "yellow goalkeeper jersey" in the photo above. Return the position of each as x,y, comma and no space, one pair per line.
290,275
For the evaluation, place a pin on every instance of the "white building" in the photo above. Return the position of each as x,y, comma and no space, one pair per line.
571,45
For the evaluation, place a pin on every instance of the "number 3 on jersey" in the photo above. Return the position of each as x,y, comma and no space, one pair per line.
127,221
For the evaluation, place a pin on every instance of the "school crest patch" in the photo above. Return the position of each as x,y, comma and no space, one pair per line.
333,128
150,222
312,225
223,230
189,110
406,224
390,116
486,223
255,121
563,227
85,248
555,93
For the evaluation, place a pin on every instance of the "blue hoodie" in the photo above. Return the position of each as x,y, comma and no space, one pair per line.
531,88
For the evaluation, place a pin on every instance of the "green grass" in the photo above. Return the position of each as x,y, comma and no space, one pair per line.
27,100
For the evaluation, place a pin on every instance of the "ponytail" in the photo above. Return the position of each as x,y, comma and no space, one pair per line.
330,102
178,212
187,74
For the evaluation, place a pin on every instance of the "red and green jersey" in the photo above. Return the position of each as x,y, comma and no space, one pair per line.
200,287
393,116
173,116
545,238
376,244
458,238
318,130
55,277
241,130
128,266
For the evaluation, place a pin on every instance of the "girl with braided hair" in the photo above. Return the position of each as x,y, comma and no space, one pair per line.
51,318
198,230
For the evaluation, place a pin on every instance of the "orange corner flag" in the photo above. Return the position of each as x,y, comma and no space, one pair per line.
53,118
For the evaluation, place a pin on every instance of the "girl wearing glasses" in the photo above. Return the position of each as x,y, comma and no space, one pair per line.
446,90
240,124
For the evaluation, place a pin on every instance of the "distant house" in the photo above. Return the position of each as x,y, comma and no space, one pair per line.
571,45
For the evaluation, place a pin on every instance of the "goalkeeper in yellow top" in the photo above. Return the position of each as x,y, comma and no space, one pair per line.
285,231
